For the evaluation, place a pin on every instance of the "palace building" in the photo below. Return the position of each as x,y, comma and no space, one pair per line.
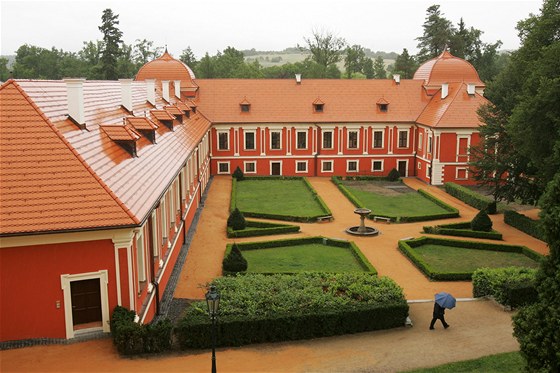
100,180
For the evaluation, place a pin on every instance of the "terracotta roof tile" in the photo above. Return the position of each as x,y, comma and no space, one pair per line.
174,110
447,68
120,132
162,114
142,123
181,105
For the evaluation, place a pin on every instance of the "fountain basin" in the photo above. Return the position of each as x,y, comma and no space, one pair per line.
362,231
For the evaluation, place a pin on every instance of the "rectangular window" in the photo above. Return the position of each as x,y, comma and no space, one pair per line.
250,167
419,165
140,261
275,140
377,165
223,140
328,140
429,172
301,140
462,174
301,166
352,166
223,167
420,141
327,166
463,146
377,139
403,139
352,139
249,141
430,142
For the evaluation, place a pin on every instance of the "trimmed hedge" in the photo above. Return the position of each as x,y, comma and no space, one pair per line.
356,252
461,230
257,308
511,286
407,248
258,228
471,198
132,338
524,224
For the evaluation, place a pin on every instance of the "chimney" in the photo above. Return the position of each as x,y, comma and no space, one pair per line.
177,84
397,78
471,89
126,94
151,91
444,90
165,90
75,95
298,78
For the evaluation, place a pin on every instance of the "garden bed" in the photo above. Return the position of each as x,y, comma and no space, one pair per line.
259,228
461,230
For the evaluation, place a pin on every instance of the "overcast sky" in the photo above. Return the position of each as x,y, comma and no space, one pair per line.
212,25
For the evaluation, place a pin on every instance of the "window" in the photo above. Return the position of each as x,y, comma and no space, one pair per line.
377,165
378,139
301,140
319,107
245,108
140,261
250,167
223,167
352,139
429,172
249,141
419,165
301,166
420,138
403,139
327,166
430,144
352,166
462,174
275,140
223,141
328,140
383,107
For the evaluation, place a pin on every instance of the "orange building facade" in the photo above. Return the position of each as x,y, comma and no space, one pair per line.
101,180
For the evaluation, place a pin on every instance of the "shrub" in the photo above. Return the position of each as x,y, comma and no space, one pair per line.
234,261
461,230
393,175
471,198
236,220
525,224
238,174
259,228
511,286
481,222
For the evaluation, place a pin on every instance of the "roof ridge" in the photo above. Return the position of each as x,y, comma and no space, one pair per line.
72,150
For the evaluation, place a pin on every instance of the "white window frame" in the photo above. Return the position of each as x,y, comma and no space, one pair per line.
323,139
270,167
280,137
430,144
223,172
419,165
306,139
428,169
373,161
254,133
348,132
399,139
227,142
420,140
301,162
246,163
382,139
323,163
457,173
140,258
348,161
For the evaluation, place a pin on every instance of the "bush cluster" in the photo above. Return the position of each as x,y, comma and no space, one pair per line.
461,230
132,338
481,222
525,224
471,198
236,221
238,174
394,175
234,261
258,308
259,228
511,286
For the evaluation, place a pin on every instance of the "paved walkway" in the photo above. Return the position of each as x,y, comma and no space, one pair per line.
478,328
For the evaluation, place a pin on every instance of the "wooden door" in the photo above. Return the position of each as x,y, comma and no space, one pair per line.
275,168
86,301
402,168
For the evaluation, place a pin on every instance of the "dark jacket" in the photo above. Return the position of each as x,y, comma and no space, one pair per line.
438,310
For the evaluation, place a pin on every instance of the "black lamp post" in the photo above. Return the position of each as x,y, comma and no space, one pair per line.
213,303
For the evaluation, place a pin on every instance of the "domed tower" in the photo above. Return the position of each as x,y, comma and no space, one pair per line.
445,69
165,69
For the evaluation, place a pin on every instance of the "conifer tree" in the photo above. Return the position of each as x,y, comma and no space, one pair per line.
112,40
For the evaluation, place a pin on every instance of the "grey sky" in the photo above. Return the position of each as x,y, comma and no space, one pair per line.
211,25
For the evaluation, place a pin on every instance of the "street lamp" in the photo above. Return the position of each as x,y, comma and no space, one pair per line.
213,303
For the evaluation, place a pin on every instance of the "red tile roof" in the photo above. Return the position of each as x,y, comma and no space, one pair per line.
162,114
120,132
447,68
167,68
142,123
174,110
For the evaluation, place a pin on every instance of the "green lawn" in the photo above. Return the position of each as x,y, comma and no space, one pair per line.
405,204
278,197
509,362
300,258
450,259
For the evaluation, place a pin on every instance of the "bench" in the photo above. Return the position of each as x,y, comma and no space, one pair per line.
385,219
321,219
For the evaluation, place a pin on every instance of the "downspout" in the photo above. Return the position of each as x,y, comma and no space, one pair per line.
433,154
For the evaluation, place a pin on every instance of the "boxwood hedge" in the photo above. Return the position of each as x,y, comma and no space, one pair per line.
471,198
461,230
510,286
258,228
524,224
257,308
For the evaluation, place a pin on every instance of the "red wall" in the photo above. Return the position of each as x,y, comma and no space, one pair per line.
30,285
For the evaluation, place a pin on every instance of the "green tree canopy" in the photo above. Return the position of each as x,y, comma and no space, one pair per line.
438,32
405,65
111,49
326,50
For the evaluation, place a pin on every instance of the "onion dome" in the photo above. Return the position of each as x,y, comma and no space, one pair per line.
166,68
447,68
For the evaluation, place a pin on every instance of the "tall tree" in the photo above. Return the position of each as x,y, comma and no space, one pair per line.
112,40
126,67
438,32
144,51
405,64
188,58
4,73
354,60
325,48
379,68
368,68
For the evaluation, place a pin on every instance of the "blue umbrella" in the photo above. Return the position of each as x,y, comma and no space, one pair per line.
445,300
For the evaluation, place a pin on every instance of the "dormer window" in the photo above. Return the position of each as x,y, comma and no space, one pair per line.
145,126
164,117
382,105
123,135
175,111
245,106
318,105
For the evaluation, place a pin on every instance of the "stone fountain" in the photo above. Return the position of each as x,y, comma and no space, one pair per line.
362,230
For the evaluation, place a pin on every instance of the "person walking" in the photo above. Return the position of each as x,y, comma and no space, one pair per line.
443,300
438,314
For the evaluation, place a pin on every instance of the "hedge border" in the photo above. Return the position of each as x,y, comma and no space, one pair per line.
453,212
511,286
471,198
261,228
461,230
524,224
407,248
302,219
354,250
